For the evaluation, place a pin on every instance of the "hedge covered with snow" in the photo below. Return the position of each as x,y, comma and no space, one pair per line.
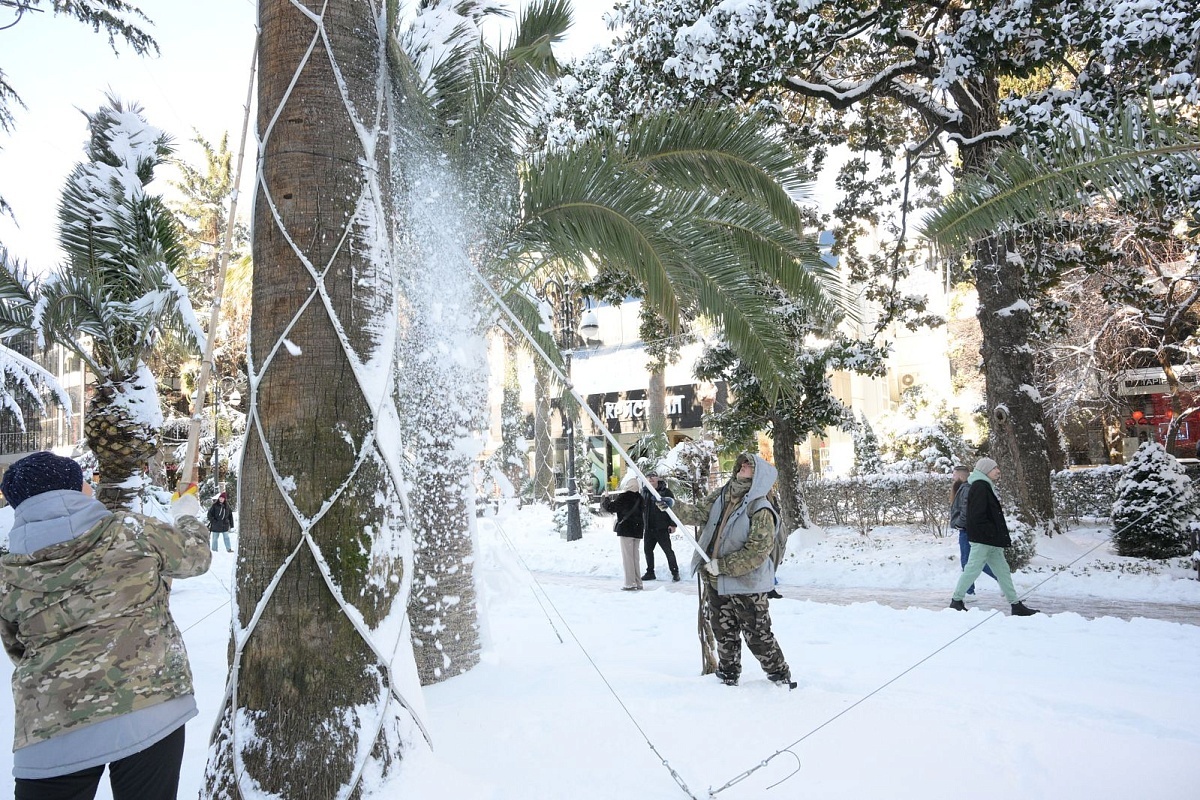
868,501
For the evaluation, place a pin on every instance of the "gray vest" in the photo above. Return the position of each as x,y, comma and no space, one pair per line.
737,533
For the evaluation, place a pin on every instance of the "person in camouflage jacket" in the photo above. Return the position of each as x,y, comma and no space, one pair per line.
739,533
101,676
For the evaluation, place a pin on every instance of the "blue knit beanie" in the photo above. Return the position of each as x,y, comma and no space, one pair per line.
39,472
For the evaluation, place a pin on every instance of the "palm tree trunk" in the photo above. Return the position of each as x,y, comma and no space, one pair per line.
122,426
543,476
315,698
656,403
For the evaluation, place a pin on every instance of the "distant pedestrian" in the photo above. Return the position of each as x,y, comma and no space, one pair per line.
958,519
220,520
627,505
101,674
657,527
987,531
739,536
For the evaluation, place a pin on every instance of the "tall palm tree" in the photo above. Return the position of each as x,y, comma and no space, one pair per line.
359,136
116,296
696,207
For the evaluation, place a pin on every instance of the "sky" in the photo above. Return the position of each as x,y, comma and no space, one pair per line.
197,83
579,679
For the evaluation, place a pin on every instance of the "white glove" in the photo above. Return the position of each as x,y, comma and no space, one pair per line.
186,504
713,567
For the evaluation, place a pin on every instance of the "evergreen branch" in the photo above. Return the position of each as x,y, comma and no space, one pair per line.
1137,158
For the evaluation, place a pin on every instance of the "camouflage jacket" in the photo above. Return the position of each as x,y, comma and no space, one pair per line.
86,620
739,532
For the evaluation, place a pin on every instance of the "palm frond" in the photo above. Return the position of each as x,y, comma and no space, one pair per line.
580,202
1137,157
528,312
18,291
542,24
786,257
721,151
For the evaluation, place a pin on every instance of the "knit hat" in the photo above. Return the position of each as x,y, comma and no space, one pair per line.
222,496
37,473
985,465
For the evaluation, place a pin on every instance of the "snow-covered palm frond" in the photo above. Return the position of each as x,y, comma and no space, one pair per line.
18,291
1138,157
123,247
21,378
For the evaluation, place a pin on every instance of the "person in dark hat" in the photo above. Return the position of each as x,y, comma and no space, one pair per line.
101,674
220,520
987,531
657,527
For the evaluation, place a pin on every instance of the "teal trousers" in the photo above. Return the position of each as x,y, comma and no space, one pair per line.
985,555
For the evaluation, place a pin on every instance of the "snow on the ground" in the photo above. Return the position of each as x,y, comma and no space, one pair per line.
912,703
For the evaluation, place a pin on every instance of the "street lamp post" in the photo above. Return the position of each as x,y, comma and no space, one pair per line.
561,297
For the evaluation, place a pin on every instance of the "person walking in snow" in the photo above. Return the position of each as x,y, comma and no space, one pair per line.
627,505
958,519
657,527
740,526
101,675
220,520
987,531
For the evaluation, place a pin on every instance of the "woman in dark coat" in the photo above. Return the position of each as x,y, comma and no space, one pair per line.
627,505
987,531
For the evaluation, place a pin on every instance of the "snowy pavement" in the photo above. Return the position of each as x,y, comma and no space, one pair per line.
1086,607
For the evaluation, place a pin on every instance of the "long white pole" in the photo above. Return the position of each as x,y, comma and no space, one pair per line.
188,474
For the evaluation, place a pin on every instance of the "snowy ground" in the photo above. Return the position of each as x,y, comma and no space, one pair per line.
919,702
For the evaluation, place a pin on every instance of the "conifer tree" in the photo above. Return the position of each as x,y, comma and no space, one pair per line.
866,449
1154,506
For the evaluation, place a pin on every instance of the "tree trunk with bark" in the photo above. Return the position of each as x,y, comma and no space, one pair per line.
656,402
1017,422
543,475
792,510
321,656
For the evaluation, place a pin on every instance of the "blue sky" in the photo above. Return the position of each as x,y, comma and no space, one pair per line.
198,82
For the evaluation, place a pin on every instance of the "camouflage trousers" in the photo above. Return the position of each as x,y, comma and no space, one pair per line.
736,615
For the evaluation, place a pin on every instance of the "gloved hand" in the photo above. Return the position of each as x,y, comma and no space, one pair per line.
186,504
664,503
713,567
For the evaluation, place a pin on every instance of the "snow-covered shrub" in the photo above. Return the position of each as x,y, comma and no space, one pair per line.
1024,545
868,501
1154,507
560,519
689,468
1083,493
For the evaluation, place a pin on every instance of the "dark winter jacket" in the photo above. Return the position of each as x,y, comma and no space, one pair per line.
628,508
654,518
985,518
958,507
220,517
